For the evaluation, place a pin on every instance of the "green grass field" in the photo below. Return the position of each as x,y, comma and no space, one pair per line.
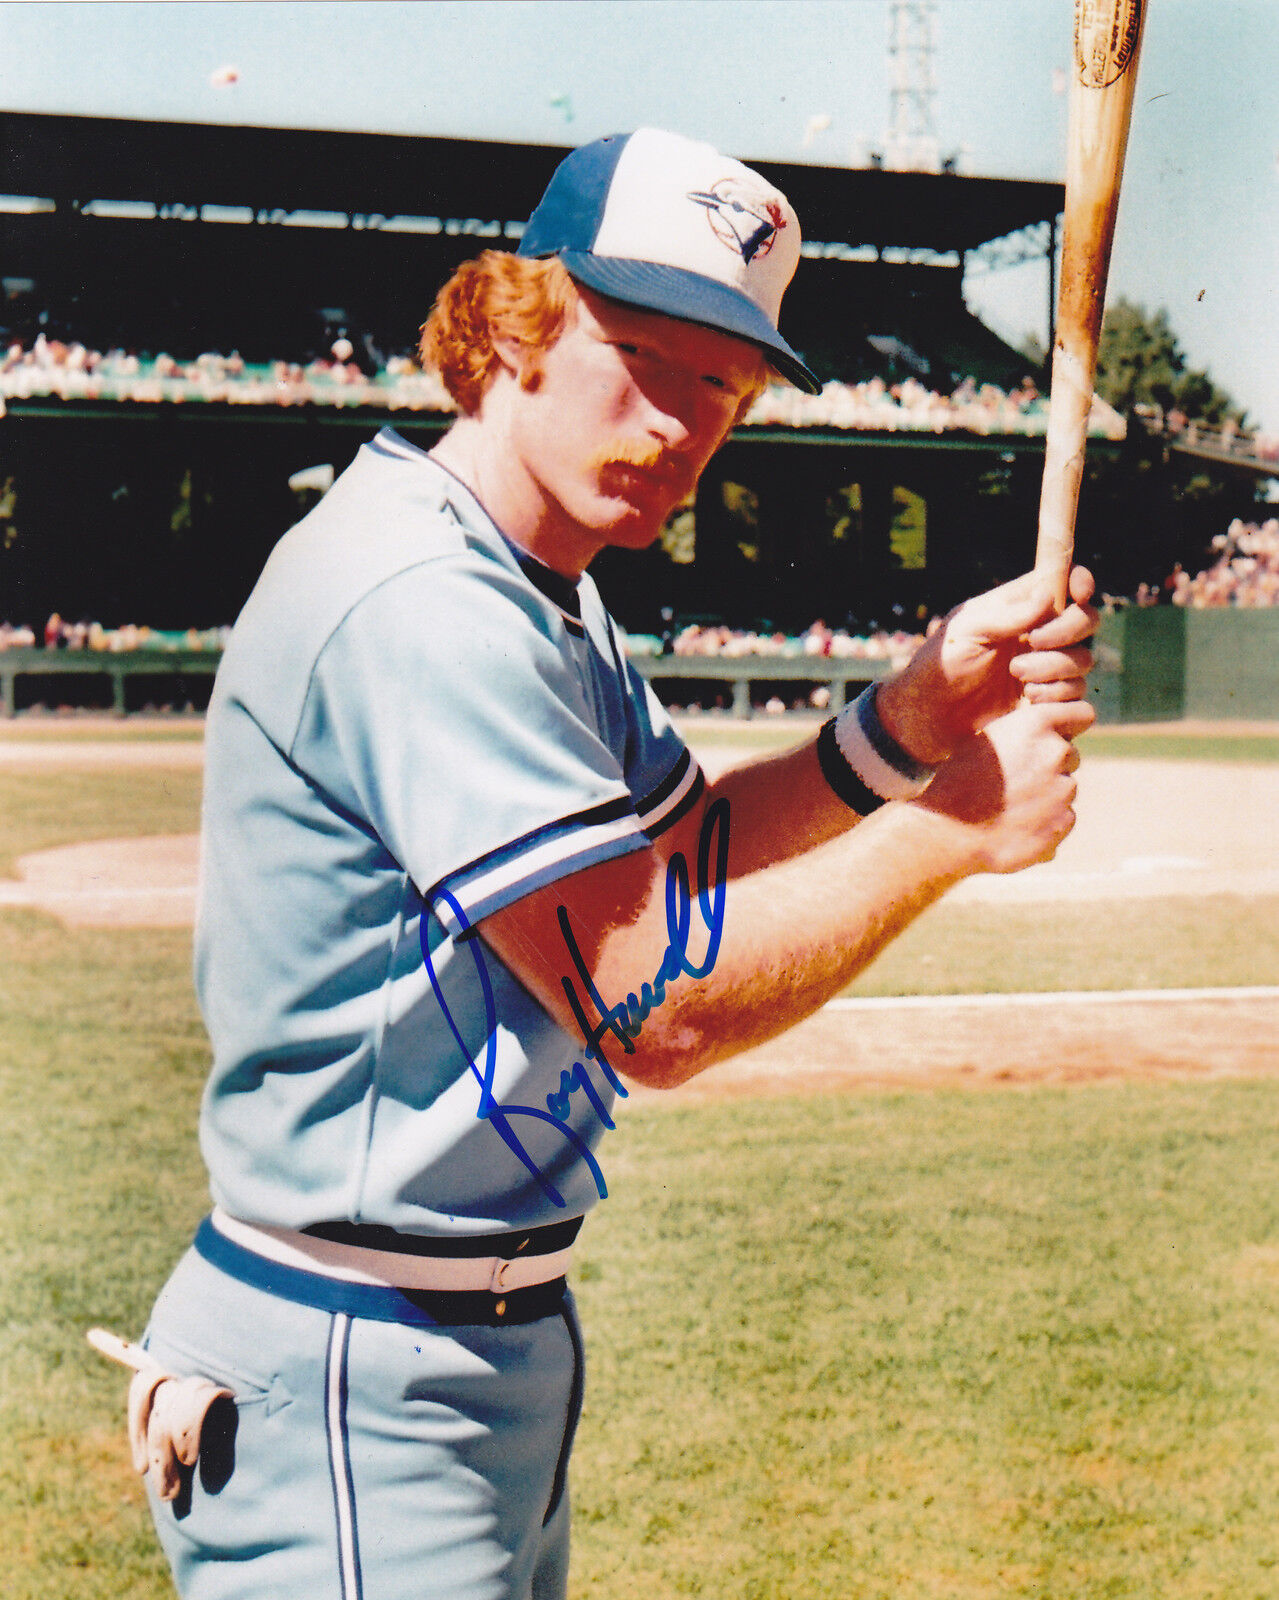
42,810
79,728
939,1344
724,733
1172,746
1161,743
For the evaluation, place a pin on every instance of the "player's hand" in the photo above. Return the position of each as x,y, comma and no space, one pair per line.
1012,787
984,657
1056,664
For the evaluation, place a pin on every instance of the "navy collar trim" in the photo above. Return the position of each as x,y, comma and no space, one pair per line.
558,589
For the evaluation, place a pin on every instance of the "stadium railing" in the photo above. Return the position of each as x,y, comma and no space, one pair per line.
168,670
173,674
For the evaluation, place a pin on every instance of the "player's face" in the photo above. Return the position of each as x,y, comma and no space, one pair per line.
628,409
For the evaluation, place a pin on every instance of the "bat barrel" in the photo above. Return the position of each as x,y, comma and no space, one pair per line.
1107,47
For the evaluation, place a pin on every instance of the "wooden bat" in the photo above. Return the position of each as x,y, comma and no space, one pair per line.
117,1349
1104,76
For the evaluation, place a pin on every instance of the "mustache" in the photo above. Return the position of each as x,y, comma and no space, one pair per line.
629,453
668,470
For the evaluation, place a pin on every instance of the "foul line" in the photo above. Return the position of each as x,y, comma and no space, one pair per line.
1066,997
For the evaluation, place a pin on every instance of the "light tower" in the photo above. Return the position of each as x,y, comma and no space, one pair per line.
911,142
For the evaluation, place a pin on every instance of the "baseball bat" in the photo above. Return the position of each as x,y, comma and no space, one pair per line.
118,1349
1102,82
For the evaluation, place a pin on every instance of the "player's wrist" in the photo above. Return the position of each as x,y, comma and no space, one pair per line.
955,846
908,708
864,763
939,845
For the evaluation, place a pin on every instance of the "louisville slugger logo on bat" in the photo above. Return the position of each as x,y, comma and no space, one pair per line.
1107,34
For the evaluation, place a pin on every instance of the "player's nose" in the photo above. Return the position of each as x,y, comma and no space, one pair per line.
669,420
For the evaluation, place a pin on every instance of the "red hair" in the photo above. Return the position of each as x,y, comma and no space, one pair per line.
499,295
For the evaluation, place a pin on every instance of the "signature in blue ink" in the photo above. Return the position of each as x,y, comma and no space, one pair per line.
624,1021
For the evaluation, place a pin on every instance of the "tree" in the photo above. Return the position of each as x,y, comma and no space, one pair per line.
1140,364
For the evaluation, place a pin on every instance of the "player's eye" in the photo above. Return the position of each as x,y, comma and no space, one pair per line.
626,349
715,381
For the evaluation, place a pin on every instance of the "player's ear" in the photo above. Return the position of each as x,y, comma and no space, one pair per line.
518,359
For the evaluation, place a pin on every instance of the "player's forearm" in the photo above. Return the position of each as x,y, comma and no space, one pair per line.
666,961
774,947
780,806
738,956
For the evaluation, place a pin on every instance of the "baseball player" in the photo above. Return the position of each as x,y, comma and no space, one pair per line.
461,879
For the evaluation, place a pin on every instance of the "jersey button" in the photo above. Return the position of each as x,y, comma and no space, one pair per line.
499,1310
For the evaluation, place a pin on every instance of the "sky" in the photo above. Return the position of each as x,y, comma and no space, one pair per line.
794,80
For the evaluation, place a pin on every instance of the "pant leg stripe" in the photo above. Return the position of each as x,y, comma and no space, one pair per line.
574,1413
335,1385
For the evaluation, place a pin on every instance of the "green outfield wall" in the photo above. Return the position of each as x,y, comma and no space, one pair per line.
1164,663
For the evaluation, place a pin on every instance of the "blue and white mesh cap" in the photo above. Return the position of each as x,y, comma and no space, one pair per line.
670,225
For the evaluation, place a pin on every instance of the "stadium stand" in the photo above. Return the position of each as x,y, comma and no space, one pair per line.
230,310
1245,573
54,369
343,238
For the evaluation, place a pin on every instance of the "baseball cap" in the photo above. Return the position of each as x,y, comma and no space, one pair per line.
669,224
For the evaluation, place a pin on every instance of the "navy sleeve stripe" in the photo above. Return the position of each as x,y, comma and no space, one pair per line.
539,857
606,811
483,898
668,785
657,820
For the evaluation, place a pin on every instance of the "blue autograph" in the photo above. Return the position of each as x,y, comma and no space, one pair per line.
625,1020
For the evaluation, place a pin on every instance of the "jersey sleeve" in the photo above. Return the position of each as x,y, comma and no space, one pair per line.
664,777
446,715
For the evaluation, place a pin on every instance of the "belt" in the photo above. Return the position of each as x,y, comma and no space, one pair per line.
396,1269
261,1258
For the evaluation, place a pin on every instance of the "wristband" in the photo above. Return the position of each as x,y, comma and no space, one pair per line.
863,763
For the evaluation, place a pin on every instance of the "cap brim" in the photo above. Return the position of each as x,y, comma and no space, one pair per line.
692,298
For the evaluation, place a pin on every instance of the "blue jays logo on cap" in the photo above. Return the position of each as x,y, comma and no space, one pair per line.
628,216
735,221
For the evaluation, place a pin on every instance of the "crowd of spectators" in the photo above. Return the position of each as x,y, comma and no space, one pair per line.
1245,573
694,639
58,634
817,640
912,407
70,371
1226,438
817,643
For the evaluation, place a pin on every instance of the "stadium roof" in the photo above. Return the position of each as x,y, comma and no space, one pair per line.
73,160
